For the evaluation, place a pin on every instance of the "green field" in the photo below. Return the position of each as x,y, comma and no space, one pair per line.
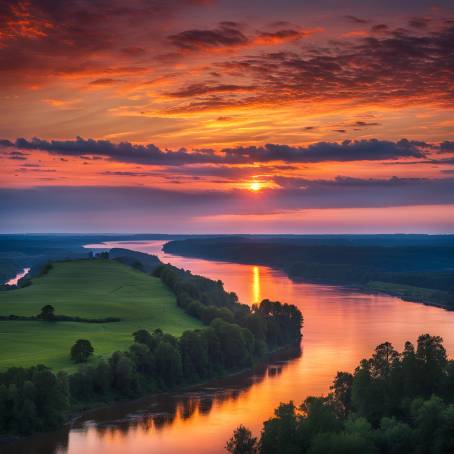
89,289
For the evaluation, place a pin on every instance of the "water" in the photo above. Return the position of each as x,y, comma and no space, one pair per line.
14,280
341,326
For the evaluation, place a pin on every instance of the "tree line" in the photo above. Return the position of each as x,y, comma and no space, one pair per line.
394,402
272,323
424,262
48,314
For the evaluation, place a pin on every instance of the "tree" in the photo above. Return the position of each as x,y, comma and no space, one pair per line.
81,351
242,442
124,373
194,355
168,364
47,313
142,357
383,360
433,360
342,389
280,434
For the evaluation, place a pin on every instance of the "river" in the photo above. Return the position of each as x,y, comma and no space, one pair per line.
341,326
14,280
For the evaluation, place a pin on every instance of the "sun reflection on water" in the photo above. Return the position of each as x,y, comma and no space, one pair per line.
256,284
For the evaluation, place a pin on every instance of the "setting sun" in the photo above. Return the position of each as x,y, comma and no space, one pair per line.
255,186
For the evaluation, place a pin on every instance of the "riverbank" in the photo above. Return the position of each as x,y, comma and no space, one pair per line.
84,411
159,408
283,354
415,269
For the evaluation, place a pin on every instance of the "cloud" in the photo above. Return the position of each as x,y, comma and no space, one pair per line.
280,36
16,155
43,38
363,124
447,145
112,205
356,20
104,81
204,88
419,22
226,35
230,35
373,69
360,150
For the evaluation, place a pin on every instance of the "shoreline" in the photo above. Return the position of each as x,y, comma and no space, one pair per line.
364,288
284,354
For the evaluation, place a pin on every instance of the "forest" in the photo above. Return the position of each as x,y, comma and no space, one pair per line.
393,403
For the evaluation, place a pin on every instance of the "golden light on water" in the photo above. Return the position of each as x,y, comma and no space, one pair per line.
256,284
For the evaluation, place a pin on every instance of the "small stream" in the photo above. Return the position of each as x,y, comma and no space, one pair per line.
14,280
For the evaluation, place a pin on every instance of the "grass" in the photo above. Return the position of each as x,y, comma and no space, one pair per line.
90,289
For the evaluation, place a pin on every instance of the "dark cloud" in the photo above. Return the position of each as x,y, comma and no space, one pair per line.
204,88
121,152
231,35
226,35
360,193
370,70
360,150
447,145
104,81
83,207
379,28
17,155
42,38
363,124
356,20
419,22
280,36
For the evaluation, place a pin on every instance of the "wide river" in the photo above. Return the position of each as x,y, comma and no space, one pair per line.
341,326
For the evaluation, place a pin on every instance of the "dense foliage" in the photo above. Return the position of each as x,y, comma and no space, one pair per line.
33,399
271,323
393,403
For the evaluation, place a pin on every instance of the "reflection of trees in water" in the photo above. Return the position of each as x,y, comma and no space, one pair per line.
50,443
156,412
274,370
169,408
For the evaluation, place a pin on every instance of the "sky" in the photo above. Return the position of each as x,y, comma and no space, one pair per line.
213,116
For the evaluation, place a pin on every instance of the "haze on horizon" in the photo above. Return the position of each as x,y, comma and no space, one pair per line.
200,116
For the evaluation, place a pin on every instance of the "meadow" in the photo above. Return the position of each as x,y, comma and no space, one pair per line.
88,289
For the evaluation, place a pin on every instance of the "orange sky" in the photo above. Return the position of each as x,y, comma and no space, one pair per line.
334,87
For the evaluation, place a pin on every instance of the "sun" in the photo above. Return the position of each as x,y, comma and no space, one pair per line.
255,186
